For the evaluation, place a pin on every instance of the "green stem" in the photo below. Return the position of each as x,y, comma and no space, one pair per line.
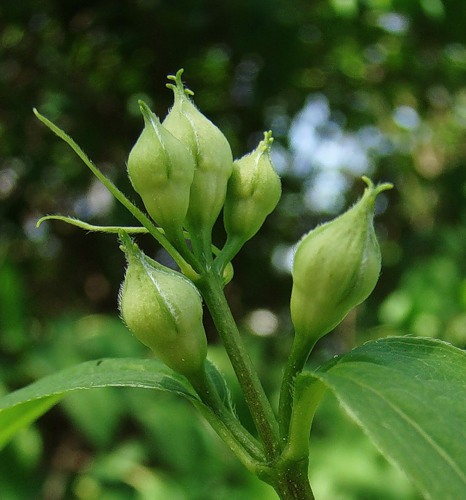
292,479
210,398
232,247
178,239
224,432
211,288
293,483
308,393
295,364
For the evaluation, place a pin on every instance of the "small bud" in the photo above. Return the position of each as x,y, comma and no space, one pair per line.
211,151
161,170
253,192
336,267
163,309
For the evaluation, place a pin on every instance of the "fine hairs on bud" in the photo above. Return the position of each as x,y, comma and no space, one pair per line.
163,309
254,190
212,154
161,170
336,267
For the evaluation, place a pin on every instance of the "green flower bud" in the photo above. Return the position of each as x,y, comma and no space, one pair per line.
163,309
211,151
336,267
254,190
161,169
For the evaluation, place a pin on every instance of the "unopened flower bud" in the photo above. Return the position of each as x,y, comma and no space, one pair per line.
161,169
253,192
211,151
336,267
163,309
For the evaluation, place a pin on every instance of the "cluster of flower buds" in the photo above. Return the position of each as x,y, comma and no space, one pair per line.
183,170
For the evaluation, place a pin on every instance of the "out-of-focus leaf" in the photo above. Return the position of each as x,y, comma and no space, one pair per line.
12,308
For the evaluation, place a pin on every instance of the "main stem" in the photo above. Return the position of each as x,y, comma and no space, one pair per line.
256,399
293,482
289,478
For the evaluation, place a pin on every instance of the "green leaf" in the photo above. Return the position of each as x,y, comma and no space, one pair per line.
219,382
409,396
23,406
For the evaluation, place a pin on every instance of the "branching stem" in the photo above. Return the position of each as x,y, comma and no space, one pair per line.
212,290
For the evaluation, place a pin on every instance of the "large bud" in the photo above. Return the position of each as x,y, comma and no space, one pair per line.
161,169
336,267
253,192
163,309
211,151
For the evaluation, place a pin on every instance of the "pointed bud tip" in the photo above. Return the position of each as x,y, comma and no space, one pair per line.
43,119
148,115
127,246
376,189
179,86
266,142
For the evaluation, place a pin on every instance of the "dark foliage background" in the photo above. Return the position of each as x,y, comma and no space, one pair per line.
348,87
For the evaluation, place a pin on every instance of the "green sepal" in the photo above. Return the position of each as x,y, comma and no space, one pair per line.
91,227
163,309
138,214
228,272
161,170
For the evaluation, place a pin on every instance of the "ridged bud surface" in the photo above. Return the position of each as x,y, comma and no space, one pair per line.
336,267
254,190
212,154
161,169
163,309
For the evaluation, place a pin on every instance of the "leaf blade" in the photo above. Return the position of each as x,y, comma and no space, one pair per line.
25,405
409,396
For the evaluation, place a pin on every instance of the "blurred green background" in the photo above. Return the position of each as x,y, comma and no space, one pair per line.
348,87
